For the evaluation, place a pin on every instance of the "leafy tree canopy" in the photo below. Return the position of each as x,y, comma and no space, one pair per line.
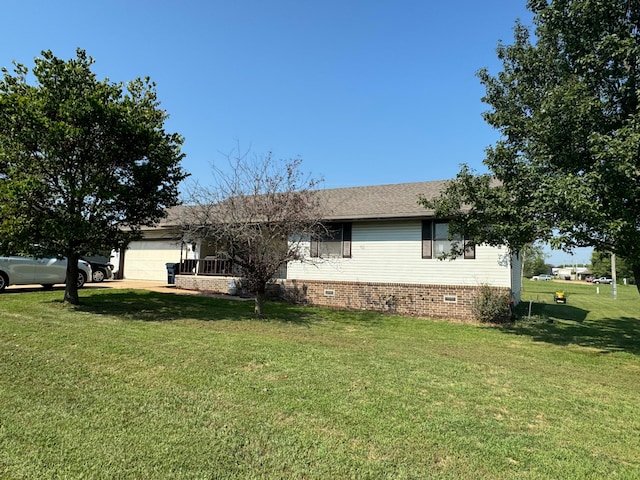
567,166
84,164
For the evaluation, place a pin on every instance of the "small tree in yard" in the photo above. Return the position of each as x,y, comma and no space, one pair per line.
83,163
259,214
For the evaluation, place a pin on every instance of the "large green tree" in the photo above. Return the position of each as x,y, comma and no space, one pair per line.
567,166
84,163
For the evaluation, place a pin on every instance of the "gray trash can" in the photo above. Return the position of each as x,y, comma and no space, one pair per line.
172,269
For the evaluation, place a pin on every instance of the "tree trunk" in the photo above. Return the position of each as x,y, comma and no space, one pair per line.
261,298
71,283
122,249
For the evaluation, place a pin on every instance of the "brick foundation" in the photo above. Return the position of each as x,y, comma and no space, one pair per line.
204,283
433,301
215,284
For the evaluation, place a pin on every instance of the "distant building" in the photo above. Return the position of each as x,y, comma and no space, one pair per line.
571,273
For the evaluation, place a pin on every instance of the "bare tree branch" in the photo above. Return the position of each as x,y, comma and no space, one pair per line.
260,213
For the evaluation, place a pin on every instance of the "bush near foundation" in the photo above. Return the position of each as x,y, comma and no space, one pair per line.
491,306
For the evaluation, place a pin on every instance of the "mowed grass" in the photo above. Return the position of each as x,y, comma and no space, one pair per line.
143,385
590,318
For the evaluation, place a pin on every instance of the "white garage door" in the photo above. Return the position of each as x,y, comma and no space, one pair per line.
146,259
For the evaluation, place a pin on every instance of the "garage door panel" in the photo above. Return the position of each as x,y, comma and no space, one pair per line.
146,259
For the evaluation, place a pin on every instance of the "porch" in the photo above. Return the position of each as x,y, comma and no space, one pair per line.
215,275
209,266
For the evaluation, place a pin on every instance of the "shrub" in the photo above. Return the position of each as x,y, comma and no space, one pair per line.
491,306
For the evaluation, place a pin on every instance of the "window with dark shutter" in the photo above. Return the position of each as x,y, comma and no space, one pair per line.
334,242
436,240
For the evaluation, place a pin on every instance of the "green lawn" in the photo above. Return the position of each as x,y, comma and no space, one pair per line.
591,317
145,385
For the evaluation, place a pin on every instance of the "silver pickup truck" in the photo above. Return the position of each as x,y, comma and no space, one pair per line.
603,280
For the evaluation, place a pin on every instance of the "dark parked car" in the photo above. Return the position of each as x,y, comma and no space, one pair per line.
101,271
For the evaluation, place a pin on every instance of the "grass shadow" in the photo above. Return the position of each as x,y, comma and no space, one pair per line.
608,335
551,311
151,306
145,305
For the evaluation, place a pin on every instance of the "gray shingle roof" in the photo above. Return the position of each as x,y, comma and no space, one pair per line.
380,201
359,203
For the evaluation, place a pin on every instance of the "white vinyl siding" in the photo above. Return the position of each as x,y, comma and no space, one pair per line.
391,252
147,259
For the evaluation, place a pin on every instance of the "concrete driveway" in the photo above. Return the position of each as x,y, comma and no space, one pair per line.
161,287
138,285
135,284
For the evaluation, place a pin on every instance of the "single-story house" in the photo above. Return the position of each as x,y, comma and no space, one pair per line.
384,255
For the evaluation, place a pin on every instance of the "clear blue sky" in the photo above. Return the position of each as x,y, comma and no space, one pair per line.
366,92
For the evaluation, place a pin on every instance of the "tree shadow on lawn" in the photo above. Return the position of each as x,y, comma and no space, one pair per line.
552,311
149,306
567,325
152,306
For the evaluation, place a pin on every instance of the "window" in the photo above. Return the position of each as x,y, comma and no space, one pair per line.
334,242
436,240
441,243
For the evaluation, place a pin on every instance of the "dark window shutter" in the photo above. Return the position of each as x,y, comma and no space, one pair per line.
427,239
346,240
469,250
315,246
